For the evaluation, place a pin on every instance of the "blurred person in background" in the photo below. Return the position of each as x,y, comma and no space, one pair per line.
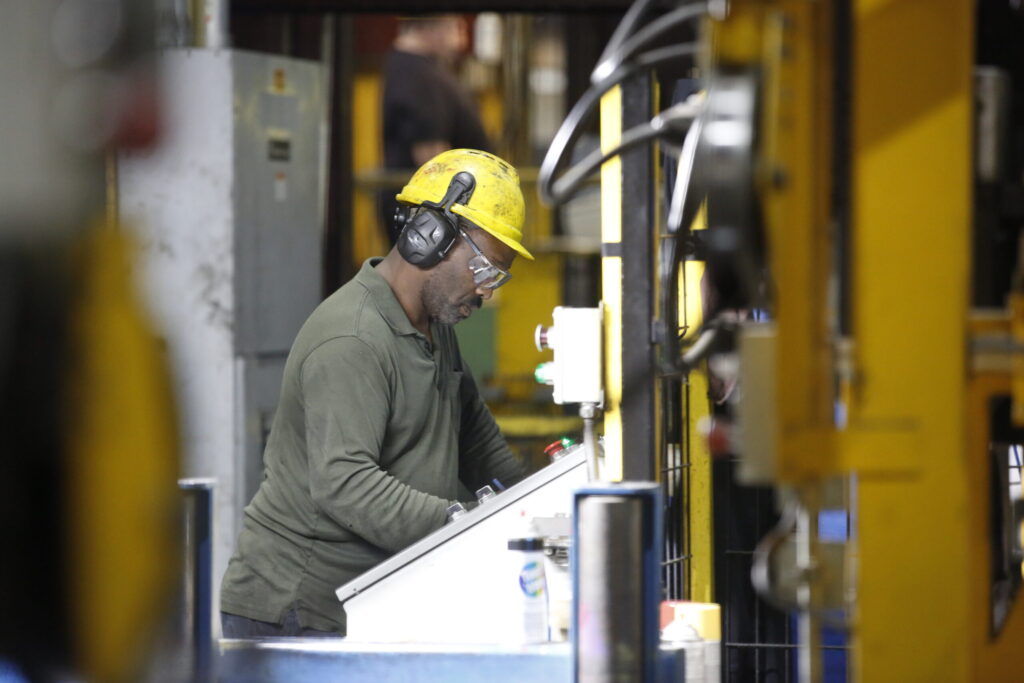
426,109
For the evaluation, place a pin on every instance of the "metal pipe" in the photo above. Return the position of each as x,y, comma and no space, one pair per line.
992,94
588,411
192,23
610,586
809,589
210,23
196,625
617,582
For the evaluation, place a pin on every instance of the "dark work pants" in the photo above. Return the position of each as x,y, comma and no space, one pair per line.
235,626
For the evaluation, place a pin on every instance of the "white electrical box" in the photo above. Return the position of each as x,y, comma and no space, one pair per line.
575,337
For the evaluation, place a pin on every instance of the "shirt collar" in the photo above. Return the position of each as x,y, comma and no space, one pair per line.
384,298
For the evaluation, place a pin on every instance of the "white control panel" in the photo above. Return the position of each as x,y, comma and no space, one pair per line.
453,585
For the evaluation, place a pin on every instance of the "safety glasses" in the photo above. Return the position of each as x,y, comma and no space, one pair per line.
485,273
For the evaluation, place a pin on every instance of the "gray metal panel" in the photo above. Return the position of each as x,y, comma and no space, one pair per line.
261,377
457,526
278,158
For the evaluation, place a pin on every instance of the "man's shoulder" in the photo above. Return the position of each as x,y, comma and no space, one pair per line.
402,61
407,75
348,313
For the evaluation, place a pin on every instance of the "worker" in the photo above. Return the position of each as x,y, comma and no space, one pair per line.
379,419
426,109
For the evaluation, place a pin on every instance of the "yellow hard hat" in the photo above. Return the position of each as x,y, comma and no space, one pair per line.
496,205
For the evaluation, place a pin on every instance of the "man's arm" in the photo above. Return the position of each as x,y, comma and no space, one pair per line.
483,453
346,396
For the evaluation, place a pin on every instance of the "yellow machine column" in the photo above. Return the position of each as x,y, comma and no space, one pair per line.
627,249
894,341
911,217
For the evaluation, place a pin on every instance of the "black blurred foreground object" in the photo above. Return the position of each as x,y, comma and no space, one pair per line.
34,303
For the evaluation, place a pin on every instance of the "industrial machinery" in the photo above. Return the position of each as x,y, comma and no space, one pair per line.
825,259
824,177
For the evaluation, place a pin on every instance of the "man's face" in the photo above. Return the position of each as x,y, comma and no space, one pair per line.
450,294
449,37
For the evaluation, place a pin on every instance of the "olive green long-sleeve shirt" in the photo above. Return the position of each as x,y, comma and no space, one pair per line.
374,430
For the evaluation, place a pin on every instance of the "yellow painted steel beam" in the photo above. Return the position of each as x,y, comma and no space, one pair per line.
368,236
911,214
787,44
738,37
538,425
794,53
995,658
611,283
917,431
1016,305
534,292
699,523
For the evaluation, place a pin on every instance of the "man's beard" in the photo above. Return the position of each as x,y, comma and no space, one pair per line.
442,309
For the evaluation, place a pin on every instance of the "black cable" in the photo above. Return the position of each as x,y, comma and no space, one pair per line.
666,328
614,66
571,180
612,69
683,208
675,120
701,348
612,60
625,27
685,195
570,130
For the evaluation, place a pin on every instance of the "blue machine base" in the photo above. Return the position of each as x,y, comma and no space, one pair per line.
326,660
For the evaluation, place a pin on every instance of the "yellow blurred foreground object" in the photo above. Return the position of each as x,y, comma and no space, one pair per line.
121,469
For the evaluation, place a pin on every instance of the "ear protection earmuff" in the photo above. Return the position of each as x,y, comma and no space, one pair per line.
430,229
